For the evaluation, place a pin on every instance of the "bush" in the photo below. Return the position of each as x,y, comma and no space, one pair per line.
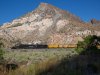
1,51
1,54
15,25
89,43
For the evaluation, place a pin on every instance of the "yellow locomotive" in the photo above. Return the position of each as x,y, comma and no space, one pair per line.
62,46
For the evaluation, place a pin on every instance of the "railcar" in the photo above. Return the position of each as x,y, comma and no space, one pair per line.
62,46
29,46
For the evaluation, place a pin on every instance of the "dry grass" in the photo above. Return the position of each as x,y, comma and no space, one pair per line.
37,55
68,64
42,60
35,69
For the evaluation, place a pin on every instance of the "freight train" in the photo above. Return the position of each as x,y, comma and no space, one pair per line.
41,46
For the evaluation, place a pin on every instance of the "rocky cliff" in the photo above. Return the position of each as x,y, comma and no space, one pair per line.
47,24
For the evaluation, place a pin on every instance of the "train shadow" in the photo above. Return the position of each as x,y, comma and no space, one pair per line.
86,63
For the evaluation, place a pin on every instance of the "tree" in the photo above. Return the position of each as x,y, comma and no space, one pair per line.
89,43
80,47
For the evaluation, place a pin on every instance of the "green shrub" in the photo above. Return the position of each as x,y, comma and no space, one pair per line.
1,51
16,25
88,44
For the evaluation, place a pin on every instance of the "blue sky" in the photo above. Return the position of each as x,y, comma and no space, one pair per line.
85,9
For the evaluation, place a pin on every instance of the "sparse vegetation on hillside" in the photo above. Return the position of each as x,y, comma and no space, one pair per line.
16,25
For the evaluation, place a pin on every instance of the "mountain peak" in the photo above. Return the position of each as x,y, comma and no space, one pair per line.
43,4
46,6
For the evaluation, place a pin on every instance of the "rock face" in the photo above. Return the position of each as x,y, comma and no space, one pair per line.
95,22
46,25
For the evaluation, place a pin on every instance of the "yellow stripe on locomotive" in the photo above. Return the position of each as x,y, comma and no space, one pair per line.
53,46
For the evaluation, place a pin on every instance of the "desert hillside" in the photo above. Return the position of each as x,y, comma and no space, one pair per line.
47,24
